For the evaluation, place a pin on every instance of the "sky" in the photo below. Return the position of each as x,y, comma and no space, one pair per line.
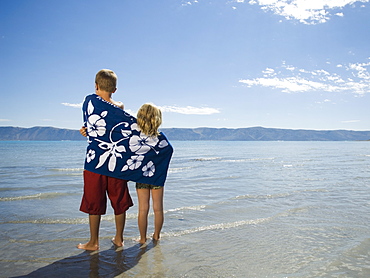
294,64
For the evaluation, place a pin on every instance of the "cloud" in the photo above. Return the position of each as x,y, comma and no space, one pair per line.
324,101
131,112
74,105
189,3
190,110
4,120
351,121
351,78
305,11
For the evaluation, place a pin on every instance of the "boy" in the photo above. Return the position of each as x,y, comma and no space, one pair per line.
96,186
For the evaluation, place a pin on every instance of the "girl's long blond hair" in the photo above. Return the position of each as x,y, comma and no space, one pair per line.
149,118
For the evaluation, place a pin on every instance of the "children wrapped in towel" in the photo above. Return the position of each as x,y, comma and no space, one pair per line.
117,148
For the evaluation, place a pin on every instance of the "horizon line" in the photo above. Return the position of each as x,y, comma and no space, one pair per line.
231,128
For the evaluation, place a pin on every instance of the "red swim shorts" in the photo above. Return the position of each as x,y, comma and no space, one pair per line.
96,189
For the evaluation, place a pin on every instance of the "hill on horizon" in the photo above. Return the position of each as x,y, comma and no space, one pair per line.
10,133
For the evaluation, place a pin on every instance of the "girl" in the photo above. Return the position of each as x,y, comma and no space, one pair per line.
149,118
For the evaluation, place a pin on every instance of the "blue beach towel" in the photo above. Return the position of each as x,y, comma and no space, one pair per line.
117,148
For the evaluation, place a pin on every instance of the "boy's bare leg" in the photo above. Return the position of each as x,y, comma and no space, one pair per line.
120,226
93,244
157,196
143,199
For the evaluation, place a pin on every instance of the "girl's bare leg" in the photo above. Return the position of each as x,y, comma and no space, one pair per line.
157,196
143,196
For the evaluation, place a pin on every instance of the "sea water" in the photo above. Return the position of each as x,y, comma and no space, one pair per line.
232,209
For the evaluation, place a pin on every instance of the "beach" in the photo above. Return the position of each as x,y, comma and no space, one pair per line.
232,209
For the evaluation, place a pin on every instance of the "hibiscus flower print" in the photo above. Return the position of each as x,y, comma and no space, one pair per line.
90,156
141,144
96,125
133,163
112,151
149,169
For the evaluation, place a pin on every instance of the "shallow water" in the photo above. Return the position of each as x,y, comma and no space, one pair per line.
232,209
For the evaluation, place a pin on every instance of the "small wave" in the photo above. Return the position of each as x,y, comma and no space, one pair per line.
127,238
268,196
278,195
232,160
111,218
73,221
263,158
59,174
199,208
47,240
67,169
220,226
238,160
207,159
179,169
50,221
249,159
230,225
35,196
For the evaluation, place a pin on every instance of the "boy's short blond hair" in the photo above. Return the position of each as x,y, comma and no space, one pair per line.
106,80
149,118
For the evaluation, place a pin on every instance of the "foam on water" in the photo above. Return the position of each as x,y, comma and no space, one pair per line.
47,195
67,169
279,195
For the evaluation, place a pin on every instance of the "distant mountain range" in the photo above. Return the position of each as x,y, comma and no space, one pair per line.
187,134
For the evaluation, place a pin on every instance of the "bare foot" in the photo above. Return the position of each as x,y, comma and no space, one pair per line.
141,240
88,247
118,244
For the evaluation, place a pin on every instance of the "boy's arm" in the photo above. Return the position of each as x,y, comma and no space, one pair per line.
83,131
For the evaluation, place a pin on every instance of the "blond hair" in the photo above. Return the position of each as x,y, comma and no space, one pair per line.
149,118
106,80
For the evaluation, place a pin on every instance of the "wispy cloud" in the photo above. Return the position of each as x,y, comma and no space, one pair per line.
307,12
351,121
74,105
4,120
188,3
351,78
187,110
324,101
190,110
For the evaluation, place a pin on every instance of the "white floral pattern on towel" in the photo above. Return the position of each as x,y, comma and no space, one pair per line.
139,144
